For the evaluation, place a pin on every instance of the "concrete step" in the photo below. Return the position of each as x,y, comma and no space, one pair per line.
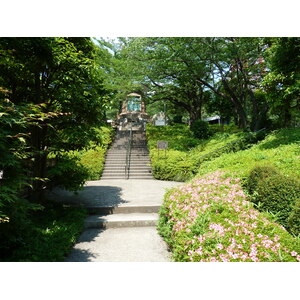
113,175
122,169
140,176
139,168
116,173
106,210
121,220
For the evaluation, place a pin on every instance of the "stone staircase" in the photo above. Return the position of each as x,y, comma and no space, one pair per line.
139,161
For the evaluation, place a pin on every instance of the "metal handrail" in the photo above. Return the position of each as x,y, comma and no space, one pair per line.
227,145
128,154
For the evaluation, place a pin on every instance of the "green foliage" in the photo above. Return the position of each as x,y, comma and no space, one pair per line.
50,236
54,96
293,221
257,174
282,83
67,172
224,128
200,129
174,165
178,136
185,153
93,160
277,194
81,165
280,148
51,97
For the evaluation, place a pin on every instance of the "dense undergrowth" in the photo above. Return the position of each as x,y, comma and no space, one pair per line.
48,236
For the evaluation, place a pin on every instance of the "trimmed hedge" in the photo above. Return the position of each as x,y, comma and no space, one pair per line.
278,194
257,174
273,192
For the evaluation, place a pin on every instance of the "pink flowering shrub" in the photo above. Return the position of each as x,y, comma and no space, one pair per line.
210,219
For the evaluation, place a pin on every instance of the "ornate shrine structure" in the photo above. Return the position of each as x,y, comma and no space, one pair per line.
133,113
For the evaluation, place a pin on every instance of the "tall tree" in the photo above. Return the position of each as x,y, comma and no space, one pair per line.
60,81
283,81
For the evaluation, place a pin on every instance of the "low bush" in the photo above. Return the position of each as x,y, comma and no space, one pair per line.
174,165
277,194
257,174
200,129
93,160
210,219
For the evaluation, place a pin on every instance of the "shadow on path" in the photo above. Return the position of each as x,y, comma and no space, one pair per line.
83,251
89,196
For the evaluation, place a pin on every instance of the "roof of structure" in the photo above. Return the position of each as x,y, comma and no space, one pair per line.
134,94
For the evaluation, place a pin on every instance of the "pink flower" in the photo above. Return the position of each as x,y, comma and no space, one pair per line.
293,253
220,246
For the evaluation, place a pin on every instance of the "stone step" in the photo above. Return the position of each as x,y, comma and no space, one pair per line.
106,210
113,175
121,220
133,160
131,169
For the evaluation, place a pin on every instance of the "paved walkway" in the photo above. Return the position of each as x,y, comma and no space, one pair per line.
122,243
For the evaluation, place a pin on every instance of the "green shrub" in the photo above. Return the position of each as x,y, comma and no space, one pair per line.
68,173
200,129
293,222
277,194
224,128
257,174
174,166
93,160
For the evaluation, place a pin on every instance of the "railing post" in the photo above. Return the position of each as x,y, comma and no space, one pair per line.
128,153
